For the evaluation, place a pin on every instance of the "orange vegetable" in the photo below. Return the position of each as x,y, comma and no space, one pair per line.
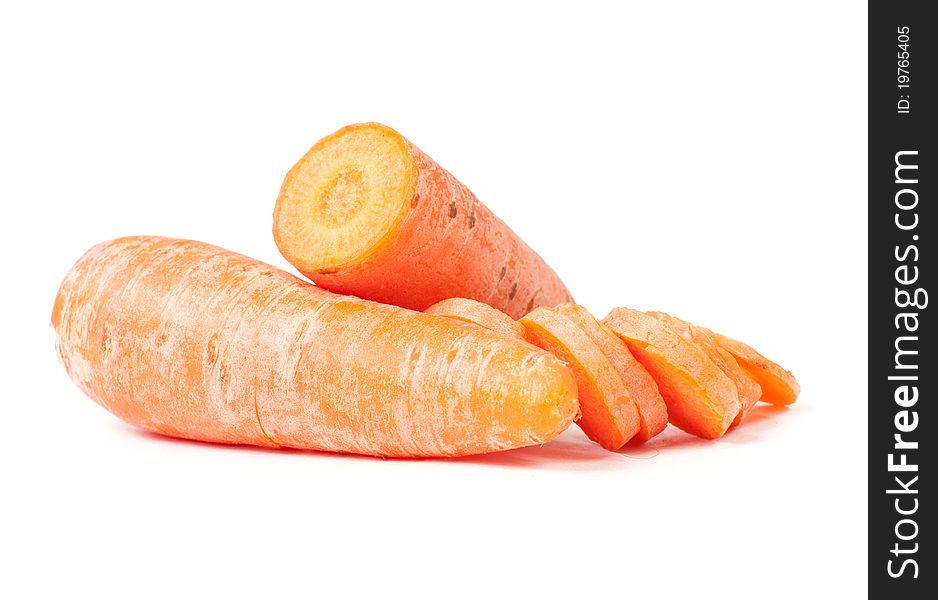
747,387
641,386
778,385
193,341
701,399
479,313
609,415
365,212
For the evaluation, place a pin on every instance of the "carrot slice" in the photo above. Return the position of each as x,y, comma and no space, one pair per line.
365,212
642,387
193,341
479,313
701,399
746,385
608,415
779,386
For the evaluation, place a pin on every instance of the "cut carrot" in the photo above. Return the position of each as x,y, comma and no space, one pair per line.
609,416
193,341
480,313
778,385
365,212
746,385
701,399
641,386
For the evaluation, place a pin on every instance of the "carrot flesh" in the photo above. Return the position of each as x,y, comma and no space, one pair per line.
193,341
643,390
747,387
608,413
473,311
701,399
779,386
365,212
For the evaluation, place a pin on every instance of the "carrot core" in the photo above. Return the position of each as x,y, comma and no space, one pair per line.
342,198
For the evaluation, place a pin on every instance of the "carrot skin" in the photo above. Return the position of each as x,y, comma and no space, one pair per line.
193,341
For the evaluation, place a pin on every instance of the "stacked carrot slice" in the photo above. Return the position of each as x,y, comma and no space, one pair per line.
636,371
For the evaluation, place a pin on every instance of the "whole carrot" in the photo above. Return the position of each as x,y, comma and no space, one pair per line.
193,341
365,212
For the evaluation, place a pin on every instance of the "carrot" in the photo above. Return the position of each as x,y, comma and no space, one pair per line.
365,212
747,387
779,386
479,313
701,399
193,341
642,387
609,415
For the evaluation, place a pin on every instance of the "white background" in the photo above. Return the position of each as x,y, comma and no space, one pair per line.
707,159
